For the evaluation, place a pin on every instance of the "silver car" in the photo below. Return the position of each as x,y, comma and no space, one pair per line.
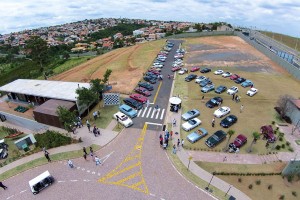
190,114
208,88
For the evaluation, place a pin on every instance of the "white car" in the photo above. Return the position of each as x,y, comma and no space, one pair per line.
192,123
224,110
252,92
123,119
182,71
200,78
233,90
226,74
218,72
158,66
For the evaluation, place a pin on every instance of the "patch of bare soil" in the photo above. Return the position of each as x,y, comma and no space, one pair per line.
231,51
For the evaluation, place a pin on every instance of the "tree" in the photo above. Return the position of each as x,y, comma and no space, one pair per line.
38,51
66,117
66,55
283,105
230,133
255,136
106,76
198,27
86,97
97,86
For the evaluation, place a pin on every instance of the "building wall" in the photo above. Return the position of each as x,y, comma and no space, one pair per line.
294,113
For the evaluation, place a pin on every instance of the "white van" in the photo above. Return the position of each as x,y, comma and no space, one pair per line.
41,182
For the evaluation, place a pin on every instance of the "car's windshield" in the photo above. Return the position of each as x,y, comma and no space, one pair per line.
192,121
123,117
229,119
191,112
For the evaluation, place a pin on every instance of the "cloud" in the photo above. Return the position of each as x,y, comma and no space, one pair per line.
265,14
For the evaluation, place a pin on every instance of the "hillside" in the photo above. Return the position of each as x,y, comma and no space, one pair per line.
285,39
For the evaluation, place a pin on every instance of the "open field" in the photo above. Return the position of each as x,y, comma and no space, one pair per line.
270,80
280,186
124,62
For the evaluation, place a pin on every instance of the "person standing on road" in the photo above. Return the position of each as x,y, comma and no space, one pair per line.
88,125
213,122
70,164
174,122
156,108
47,155
178,144
147,103
3,186
91,152
84,156
84,150
98,161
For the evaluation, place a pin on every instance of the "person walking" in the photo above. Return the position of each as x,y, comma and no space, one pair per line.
156,108
171,134
91,152
233,97
178,144
84,150
98,161
174,148
202,99
174,122
147,103
241,108
88,125
213,122
84,156
47,155
3,186
70,164
182,143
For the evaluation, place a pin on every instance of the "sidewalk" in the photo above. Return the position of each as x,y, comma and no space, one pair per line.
107,135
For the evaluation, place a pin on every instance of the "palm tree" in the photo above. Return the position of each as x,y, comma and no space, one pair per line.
230,133
255,135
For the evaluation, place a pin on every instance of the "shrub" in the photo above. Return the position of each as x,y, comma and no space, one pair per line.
258,182
273,122
250,186
280,139
287,143
294,193
281,197
51,139
240,180
283,146
270,187
278,147
291,149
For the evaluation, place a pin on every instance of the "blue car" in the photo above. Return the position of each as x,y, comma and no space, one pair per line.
247,83
127,110
197,135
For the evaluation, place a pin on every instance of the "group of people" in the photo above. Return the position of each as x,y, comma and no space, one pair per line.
236,98
164,140
85,155
77,124
96,130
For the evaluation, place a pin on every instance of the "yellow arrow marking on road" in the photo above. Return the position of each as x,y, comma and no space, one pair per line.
129,172
154,100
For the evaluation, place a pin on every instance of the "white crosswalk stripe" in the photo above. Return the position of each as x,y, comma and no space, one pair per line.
151,112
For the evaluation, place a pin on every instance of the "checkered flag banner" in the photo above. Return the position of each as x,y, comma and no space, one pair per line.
111,99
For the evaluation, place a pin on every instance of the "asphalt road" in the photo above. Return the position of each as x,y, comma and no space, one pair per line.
163,94
135,167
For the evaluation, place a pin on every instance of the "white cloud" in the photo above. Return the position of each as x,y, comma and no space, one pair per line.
265,14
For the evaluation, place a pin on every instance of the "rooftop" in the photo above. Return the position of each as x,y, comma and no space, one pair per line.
45,88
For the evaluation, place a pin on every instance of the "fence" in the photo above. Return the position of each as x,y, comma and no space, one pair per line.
201,34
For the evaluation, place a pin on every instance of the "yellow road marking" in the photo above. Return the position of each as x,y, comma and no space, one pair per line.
154,100
136,153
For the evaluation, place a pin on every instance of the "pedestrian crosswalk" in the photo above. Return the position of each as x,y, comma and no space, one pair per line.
152,113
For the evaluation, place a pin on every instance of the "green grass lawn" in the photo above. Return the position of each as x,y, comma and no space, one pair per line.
70,63
258,110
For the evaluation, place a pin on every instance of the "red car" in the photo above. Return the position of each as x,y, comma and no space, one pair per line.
139,98
240,140
174,69
195,69
234,76
142,91
154,71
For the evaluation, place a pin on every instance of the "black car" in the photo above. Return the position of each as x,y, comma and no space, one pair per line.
151,74
215,139
133,103
190,77
239,80
216,101
220,89
146,86
150,79
228,121
205,70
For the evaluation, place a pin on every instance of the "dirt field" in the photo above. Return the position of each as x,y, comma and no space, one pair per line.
124,63
229,51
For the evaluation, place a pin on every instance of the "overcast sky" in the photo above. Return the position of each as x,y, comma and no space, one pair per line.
281,16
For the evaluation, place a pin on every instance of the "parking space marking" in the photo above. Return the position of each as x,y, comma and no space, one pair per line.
10,197
149,112
23,191
162,114
144,111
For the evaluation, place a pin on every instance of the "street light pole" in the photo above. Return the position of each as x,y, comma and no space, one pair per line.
210,181
190,158
228,190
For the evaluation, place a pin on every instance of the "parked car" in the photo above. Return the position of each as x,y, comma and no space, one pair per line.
151,74
158,63
139,98
174,69
233,90
191,124
150,79
195,69
154,71
128,110
133,103
268,133
205,70
199,79
145,85
215,139
240,80
213,102
252,92
142,91
190,114
218,72
228,121
234,77
226,74
197,135
240,140
183,71
190,77
205,82
224,110
208,88
123,119
220,89
247,83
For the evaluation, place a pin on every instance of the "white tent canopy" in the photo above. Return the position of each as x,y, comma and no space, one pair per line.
175,100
